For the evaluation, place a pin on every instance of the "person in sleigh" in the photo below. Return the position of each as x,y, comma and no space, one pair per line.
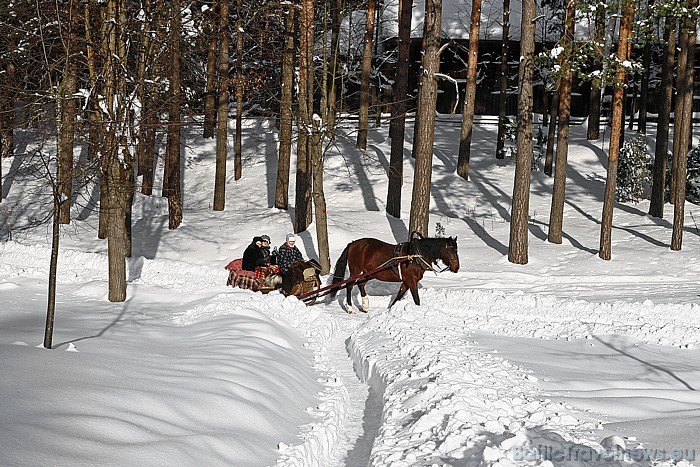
288,254
257,257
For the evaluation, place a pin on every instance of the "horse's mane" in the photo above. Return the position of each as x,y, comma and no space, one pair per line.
430,247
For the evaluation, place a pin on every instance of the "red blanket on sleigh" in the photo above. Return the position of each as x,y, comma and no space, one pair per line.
251,280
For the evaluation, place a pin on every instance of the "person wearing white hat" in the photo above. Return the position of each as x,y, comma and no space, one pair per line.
287,254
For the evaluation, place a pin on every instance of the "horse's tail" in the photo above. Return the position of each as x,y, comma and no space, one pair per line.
339,272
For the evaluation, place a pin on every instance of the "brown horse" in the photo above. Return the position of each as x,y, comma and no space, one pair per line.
367,254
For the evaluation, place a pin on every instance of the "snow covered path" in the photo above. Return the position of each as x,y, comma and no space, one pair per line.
435,390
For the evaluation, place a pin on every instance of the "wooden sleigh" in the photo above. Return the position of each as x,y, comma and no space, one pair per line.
302,279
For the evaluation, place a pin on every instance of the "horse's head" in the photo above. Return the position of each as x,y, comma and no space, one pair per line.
448,254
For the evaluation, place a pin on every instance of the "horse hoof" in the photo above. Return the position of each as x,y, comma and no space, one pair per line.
350,310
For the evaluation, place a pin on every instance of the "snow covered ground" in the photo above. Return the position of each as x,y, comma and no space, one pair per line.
568,360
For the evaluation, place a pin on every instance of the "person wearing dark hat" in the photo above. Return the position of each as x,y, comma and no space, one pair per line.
265,248
253,255
288,254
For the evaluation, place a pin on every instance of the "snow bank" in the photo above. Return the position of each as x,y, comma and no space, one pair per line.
445,400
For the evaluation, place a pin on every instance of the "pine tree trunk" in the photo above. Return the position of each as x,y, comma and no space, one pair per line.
465,135
556,215
503,83
320,201
518,243
658,187
144,55
94,123
594,106
173,148
365,77
397,127
425,131
633,106
684,130
211,84
336,23
66,125
222,111
623,53
644,92
238,146
149,121
116,161
285,132
552,131
303,210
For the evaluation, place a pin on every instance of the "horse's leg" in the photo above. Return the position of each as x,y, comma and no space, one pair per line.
414,293
400,294
349,307
365,299
411,282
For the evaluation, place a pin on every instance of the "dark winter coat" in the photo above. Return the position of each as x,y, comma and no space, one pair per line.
253,256
266,254
286,256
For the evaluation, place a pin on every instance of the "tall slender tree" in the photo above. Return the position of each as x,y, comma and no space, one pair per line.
503,82
644,90
303,210
623,53
465,135
425,129
518,244
684,120
593,132
117,161
552,131
222,110
556,214
211,70
172,155
397,127
658,187
331,75
66,115
285,130
240,84
363,124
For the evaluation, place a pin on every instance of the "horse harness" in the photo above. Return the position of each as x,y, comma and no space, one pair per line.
413,253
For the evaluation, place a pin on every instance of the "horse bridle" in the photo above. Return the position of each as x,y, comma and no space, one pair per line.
447,267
